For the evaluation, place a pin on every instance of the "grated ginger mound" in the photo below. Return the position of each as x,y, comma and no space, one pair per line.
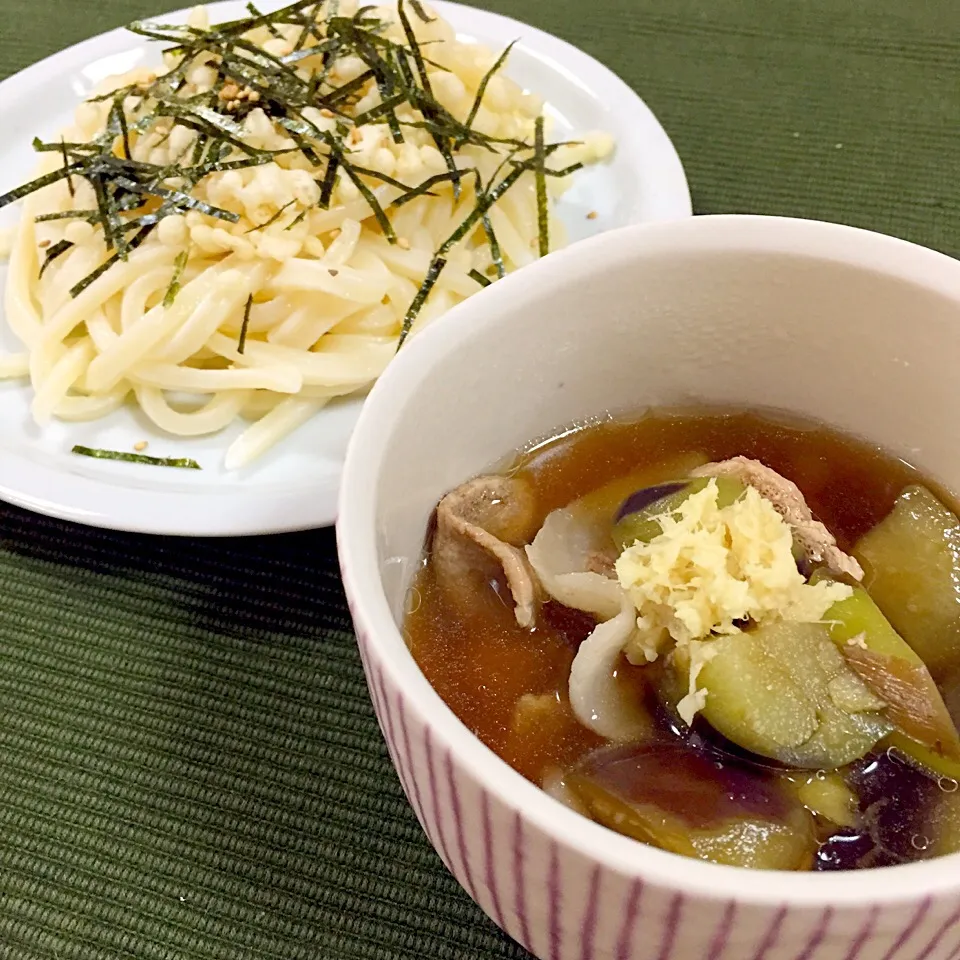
712,565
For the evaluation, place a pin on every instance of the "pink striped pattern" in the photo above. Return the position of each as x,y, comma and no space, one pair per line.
718,945
562,906
589,925
817,937
940,935
490,863
864,935
520,882
897,948
772,935
625,945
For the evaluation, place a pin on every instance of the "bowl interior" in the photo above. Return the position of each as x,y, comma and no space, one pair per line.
849,327
854,329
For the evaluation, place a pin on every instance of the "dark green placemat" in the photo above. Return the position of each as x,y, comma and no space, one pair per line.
189,765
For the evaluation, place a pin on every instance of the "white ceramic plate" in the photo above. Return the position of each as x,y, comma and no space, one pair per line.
295,485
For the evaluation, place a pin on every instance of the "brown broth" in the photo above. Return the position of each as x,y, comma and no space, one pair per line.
850,485
483,664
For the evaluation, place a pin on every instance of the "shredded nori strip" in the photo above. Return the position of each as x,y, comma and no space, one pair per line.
280,15
385,86
420,12
482,89
495,253
385,225
480,278
183,200
539,161
124,130
424,189
297,219
89,215
484,203
207,130
377,175
257,15
242,343
421,298
78,288
273,219
565,171
428,105
66,164
348,89
308,21
329,180
107,211
60,247
414,48
63,147
402,65
18,193
100,454
384,108
174,288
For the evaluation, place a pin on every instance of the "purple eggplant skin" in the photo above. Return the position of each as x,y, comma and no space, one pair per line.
643,498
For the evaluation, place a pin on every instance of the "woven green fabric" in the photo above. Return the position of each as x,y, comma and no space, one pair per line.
189,764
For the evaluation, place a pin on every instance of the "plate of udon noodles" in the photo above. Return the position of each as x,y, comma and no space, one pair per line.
220,225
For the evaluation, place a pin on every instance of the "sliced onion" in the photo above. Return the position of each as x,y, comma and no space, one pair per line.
559,555
599,702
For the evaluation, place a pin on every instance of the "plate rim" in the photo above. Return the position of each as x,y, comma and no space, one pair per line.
64,494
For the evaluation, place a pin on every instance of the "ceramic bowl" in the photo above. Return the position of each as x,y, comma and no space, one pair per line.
850,327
